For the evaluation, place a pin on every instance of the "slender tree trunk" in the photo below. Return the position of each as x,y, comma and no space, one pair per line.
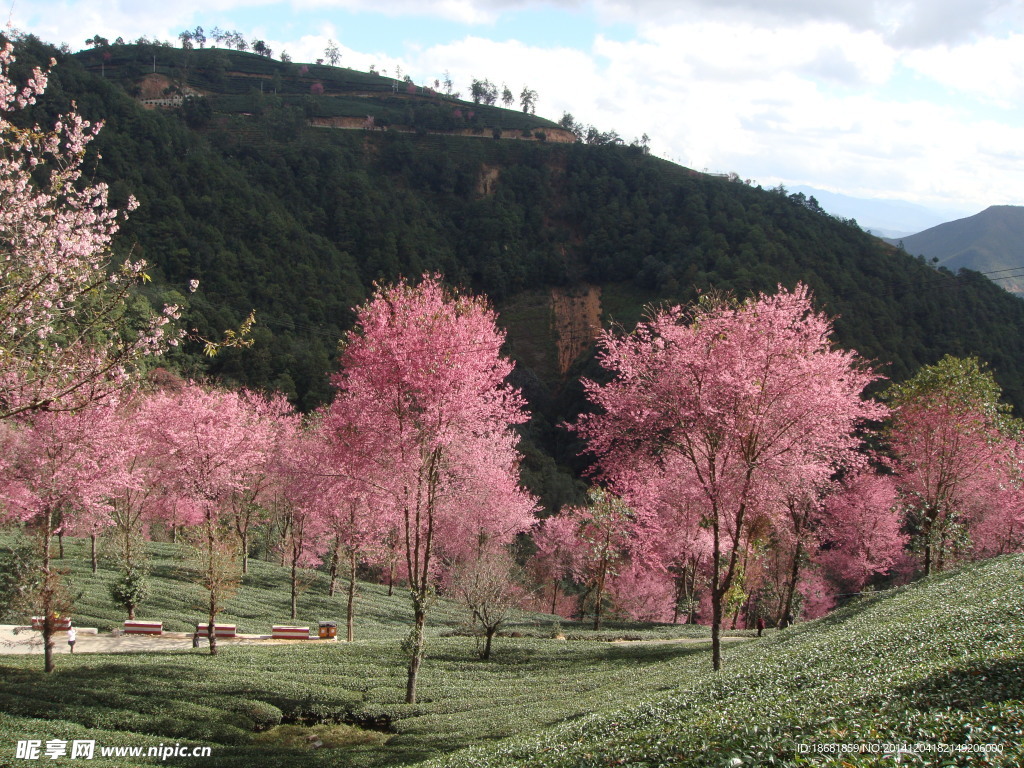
213,623
678,596
600,594
60,545
95,561
931,518
295,588
794,576
554,595
717,593
391,578
212,580
716,629
245,551
335,555
416,657
350,620
489,633
47,596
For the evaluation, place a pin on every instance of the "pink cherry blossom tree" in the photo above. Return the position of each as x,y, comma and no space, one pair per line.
203,438
557,554
132,480
50,482
68,338
606,536
947,435
861,530
424,392
269,421
359,517
743,393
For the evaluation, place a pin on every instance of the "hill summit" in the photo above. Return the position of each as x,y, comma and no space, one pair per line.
990,242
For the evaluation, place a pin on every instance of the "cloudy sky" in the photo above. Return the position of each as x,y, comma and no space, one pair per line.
918,100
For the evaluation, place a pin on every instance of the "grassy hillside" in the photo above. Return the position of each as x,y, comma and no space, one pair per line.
233,700
938,664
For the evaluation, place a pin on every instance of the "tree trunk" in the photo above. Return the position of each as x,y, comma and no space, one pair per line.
60,545
212,581
716,629
931,517
351,595
391,579
416,657
794,576
600,595
295,589
47,602
48,641
554,595
245,551
489,633
334,567
95,561
717,594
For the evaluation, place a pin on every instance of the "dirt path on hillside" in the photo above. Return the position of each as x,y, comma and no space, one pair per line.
19,639
681,640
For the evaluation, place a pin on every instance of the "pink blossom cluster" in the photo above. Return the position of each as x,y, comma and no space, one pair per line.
64,333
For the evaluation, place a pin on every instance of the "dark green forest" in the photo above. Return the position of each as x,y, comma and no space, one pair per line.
239,190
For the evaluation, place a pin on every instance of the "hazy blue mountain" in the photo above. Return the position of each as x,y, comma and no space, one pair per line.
882,216
990,242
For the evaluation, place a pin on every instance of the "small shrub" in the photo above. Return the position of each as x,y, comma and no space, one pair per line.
264,716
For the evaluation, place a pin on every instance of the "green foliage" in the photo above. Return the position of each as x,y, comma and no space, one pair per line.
19,575
131,590
962,384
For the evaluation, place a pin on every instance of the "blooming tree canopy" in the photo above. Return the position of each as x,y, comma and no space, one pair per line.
422,395
947,433
743,394
66,339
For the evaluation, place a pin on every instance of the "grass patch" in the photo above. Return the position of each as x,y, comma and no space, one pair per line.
938,663
309,738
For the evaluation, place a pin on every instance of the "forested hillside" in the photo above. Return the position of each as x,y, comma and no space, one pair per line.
245,190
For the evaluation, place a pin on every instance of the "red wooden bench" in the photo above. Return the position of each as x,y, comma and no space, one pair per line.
61,624
133,627
282,632
219,630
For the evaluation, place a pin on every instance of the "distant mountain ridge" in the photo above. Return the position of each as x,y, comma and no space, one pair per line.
990,242
884,217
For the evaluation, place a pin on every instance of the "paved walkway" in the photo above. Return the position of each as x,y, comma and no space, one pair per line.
15,639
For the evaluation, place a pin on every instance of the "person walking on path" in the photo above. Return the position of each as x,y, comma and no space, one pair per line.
72,637
760,626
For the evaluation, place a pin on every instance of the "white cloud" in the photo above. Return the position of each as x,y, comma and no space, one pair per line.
992,69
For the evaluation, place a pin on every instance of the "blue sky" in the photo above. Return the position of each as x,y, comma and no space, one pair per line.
919,100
